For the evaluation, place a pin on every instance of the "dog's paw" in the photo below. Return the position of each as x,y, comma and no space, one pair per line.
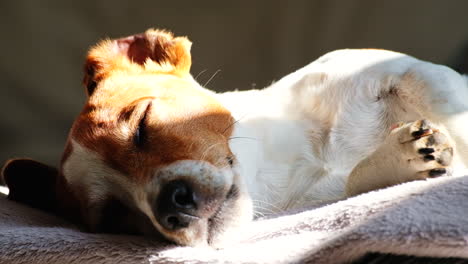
412,151
428,151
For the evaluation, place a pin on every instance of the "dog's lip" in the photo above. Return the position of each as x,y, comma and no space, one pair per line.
227,197
213,223
190,215
214,220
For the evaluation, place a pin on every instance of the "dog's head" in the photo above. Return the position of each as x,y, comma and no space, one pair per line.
149,153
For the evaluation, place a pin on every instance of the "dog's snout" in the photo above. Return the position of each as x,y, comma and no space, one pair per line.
176,205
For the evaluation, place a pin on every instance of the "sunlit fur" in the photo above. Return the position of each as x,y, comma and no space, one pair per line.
288,146
299,139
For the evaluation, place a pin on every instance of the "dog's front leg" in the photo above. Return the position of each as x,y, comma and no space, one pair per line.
413,151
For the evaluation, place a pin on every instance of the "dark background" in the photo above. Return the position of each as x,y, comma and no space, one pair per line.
252,43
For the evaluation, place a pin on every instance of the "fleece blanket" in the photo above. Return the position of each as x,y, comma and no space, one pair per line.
421,218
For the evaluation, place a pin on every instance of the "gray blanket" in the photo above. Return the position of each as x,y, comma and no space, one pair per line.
422,218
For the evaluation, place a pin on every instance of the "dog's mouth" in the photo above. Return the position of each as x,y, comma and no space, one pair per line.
219,218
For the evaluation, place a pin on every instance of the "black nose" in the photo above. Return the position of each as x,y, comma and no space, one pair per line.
175,206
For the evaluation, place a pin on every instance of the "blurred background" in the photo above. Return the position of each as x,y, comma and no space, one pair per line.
250,43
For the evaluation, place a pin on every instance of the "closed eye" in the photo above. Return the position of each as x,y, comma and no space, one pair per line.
140,137
230,160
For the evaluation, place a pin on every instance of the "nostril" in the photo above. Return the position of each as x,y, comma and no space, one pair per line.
172,221
178,221
183,197
177,195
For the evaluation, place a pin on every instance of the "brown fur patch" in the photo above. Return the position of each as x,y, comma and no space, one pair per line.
183,123
154,51
198,138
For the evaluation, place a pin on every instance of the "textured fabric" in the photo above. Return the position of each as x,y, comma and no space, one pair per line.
379,258
422,218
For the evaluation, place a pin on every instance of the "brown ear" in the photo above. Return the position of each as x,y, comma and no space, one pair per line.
155,51
32,183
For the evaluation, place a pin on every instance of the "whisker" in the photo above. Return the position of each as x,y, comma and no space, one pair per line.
266,207
263,211
205,152
209,80
251,138
230,125
200,73
268,204
191,146
258,215
235,122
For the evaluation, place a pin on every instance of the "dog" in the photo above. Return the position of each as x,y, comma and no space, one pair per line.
154,153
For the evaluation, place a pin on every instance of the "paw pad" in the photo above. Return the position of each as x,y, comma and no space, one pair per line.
429,151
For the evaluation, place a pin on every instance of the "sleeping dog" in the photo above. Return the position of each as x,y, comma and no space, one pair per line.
153,152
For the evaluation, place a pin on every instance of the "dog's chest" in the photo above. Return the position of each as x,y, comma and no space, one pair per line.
270,153
282,162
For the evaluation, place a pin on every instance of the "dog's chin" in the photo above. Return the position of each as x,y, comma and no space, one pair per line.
228,232
223,228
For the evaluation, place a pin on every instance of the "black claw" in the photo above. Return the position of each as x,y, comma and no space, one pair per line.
425,150
429,158
437,172
420,133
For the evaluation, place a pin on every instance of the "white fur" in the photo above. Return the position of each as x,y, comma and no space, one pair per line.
298,140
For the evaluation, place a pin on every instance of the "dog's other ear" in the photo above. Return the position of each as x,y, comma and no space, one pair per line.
154,51
32,183
160,47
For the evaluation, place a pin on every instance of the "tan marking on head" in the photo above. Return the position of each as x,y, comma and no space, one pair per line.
144,113
183,122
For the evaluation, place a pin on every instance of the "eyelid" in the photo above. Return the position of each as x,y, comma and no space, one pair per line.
128,113
140,136
147,110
